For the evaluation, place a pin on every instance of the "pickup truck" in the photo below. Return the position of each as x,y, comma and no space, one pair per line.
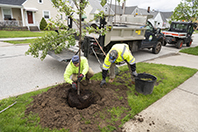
179,33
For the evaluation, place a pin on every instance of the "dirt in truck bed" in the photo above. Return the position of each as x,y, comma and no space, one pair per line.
55,111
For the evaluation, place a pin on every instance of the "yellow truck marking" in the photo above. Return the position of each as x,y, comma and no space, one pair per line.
138,32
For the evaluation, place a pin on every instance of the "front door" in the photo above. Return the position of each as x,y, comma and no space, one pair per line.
30,17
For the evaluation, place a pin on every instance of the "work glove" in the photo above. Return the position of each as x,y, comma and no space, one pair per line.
134,73
74,86
80,77
103,82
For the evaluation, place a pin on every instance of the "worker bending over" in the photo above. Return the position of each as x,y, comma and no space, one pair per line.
73,68
118,53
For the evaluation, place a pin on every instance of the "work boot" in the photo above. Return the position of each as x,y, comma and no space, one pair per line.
111,80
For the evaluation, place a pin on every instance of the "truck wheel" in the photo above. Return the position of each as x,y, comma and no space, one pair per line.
157,48
179,44
189,43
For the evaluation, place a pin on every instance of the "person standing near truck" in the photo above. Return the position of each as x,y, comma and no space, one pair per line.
73,68
118,53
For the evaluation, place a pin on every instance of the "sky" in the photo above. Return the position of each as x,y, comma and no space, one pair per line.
159,5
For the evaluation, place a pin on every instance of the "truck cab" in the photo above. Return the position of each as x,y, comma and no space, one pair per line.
153,38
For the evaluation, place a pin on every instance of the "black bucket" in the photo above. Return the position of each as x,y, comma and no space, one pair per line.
144,83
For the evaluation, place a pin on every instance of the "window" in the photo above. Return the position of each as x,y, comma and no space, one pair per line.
7,14
149,27
40,1
137,11
46,14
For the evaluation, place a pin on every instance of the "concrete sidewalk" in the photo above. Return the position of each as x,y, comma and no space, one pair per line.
20,38
178,110
5,44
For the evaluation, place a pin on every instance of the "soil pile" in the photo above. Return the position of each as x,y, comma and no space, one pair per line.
54,111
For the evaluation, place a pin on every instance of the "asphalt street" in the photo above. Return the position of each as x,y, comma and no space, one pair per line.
20,73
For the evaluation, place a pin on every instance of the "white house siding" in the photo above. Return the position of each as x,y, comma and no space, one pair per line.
88,9
136,10
167,25
158,19
47,5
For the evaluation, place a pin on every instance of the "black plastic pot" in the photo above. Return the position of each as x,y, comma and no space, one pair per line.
144,83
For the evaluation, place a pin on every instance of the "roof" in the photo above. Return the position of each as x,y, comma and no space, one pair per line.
118,9
130,9
166,15
12,2
96,6
145,12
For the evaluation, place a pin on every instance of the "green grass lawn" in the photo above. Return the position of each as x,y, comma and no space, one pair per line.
196,31
191,50
16,34
168,78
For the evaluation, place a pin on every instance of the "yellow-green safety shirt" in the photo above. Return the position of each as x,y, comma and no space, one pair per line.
71,68
124,54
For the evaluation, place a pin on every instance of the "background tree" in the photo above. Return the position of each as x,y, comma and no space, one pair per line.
187,10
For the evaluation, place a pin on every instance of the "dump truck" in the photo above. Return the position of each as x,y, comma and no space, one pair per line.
179,33
134,30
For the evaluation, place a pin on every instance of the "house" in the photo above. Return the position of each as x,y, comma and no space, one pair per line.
166,17
93,7
116,11
26,13
159,19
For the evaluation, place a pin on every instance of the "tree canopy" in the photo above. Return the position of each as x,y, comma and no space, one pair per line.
186,11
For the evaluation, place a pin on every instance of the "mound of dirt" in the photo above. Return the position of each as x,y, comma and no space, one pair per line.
55,112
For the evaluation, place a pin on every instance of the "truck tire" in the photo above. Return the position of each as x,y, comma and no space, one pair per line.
164,44
179,44
157,48
189,43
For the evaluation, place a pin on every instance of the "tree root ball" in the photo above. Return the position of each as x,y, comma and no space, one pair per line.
83,100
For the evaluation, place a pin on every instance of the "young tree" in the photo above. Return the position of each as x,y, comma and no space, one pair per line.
187,10
64,38
103,2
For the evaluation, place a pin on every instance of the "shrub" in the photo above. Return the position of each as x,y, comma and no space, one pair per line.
43,24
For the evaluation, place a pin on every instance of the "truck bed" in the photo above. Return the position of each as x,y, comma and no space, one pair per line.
125,34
